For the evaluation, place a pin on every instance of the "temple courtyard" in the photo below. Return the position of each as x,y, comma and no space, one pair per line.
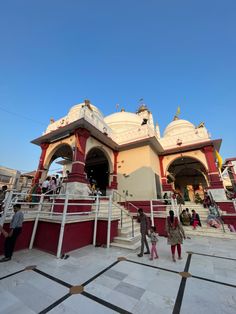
99,280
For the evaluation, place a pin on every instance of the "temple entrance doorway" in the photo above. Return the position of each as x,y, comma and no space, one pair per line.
188,177
97,169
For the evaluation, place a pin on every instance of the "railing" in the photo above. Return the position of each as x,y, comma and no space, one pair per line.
123,211
117,197
44,207
62,217
219,215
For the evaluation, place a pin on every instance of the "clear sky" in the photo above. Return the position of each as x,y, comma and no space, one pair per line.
56,53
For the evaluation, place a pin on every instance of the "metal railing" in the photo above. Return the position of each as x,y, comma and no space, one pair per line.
44,206
117,197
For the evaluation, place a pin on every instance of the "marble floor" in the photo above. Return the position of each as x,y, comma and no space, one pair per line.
98,280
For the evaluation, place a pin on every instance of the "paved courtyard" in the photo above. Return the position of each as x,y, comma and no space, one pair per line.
98,280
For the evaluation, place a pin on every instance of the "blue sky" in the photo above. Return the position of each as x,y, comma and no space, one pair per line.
55,54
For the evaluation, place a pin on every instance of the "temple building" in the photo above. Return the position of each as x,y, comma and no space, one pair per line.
126,152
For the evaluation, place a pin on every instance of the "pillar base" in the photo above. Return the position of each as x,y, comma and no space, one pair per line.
74,188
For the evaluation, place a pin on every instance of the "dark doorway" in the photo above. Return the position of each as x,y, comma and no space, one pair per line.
97,169
187,175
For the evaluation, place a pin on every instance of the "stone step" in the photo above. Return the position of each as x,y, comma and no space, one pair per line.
214,235
128,232
204,230
132,247
131,243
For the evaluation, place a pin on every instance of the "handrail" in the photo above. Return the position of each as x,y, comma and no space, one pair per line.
128,203
127,214
219,216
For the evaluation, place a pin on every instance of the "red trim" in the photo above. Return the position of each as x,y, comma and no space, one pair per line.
102,231
114,183
214,178
73,208
145,205
115,161
230,220
227,207
161,165
187,148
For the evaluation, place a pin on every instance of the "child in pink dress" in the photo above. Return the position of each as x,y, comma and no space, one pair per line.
153,235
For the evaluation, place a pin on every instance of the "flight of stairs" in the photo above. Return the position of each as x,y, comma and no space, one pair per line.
205,230
125,239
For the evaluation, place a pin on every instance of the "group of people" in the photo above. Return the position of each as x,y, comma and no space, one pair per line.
52,185
175,235
190,220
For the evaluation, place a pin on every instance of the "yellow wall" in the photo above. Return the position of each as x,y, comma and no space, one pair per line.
136,173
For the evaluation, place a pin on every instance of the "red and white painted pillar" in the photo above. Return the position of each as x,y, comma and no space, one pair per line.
40,170
166,187
77,171
114,184
77,181
215,181
216,187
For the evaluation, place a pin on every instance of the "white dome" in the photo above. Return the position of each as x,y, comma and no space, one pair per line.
121,121
77,108
178,127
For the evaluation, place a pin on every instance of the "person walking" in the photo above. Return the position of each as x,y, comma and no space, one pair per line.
153,235
175,234
144,227
12,235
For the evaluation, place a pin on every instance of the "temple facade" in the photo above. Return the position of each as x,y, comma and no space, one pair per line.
126,152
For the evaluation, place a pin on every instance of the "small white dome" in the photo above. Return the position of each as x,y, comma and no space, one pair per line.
121,121
178,127
77,108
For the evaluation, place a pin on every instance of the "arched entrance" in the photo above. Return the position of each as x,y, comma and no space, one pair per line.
60,159
188,176
97,169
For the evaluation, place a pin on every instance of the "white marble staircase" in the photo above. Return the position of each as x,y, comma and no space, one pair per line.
205,230
125,239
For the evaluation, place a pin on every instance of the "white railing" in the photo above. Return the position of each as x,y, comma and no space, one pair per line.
63,200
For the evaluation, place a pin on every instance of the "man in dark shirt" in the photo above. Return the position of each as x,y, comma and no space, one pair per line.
12,235
144,226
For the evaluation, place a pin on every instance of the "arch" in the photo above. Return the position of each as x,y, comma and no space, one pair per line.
63,150
185,156
97,168
188,176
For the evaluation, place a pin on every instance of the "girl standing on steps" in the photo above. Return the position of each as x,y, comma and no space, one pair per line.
175,234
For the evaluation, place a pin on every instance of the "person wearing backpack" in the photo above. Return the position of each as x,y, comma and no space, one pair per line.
144,228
